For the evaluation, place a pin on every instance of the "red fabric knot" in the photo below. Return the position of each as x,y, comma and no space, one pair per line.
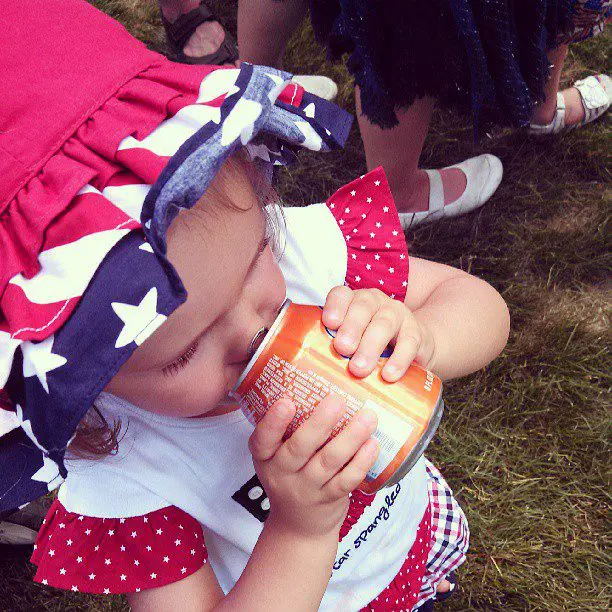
292,94
376,246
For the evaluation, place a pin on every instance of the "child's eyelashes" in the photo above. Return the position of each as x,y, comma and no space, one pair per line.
178,364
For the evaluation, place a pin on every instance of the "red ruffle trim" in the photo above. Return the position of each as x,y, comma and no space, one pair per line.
376,247
117,555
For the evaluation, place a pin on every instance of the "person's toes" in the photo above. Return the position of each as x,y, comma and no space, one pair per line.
206,39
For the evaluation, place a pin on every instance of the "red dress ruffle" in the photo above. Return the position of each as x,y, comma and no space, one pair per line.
377,255
117,555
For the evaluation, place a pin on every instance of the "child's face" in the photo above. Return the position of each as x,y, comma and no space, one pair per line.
235,288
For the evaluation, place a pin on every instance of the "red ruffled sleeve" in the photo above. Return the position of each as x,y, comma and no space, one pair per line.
117,555
376,247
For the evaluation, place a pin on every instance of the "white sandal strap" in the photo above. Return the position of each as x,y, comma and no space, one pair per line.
436,191
556,125
594,97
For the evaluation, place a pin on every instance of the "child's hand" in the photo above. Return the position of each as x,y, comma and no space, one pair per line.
307,480
367,321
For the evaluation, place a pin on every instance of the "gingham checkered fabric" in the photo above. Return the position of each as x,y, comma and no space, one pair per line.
450,534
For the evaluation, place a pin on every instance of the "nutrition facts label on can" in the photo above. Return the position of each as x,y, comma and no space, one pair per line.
391,433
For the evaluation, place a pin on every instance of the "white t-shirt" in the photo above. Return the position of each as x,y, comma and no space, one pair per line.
200,465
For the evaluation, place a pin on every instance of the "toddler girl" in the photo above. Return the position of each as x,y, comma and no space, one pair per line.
137,271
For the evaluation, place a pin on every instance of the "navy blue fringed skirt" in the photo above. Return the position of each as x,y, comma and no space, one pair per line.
487,57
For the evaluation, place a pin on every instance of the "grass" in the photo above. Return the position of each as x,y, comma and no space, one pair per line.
523,443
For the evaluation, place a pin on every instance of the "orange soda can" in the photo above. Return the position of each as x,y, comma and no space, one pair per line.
296,359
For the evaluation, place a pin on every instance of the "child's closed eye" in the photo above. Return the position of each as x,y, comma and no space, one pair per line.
180,362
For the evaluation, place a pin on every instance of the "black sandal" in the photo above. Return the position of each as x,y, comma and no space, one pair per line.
179,32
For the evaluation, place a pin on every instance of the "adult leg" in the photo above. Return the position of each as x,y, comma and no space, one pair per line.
264,26
398,151
574,110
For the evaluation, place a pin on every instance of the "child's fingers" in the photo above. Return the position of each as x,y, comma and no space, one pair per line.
362,308
268,435
354,472
407,346
339,451
336,305
311,435
383,328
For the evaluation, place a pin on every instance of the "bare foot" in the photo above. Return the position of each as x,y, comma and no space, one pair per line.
414,197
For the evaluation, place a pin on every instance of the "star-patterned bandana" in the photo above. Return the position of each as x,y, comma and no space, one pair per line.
66,331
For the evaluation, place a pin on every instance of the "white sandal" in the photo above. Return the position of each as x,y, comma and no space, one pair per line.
596,96
483,176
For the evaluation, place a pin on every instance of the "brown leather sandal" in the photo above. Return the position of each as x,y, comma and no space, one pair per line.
179,32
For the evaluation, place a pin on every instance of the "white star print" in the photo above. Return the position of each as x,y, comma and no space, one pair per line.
353,256
377,183
139,321
63,572
134,534
341,222
107,561
74,588
363,215
62,525
372,234
44,581
355,230
381,281
391,270
121,521
368,267
49,473
87,531
369,200
68,542
180,527
111,532
79,559
92,576
136,562
52,553
358,279
393,296
177,542
154,575
123,577
388,245
353,192
145,520
402,256
405,284
332,205
106,591
347,237
395,232
122,548
378,224
80,518
159,531
192,551
38,360
149,548
347,210
96,548
385,209
166,559
377,257
183,570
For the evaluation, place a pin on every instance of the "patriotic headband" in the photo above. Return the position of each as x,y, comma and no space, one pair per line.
66,331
